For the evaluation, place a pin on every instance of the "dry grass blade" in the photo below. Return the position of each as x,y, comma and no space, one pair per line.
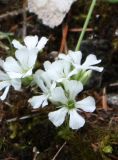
59,151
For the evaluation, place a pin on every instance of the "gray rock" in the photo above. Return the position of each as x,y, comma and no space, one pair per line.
112,99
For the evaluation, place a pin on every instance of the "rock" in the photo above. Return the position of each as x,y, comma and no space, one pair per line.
112,99
51,12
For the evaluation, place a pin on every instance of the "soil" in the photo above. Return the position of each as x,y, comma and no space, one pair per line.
27,134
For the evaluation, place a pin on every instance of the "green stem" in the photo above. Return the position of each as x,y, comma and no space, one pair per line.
85,24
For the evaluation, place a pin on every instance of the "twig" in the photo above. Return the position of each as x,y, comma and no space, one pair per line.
24,19
59,151
16,26
113,84
104,100
21,118
36,152
11,13
80,29
64,36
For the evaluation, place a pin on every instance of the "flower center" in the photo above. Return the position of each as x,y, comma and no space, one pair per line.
25,70
27,80
71,104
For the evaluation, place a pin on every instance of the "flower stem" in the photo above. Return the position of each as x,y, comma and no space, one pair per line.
85,24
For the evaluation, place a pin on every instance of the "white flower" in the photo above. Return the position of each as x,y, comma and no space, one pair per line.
58,70
75,59
31,42
46,85
26,57
6,82
20,68
69,106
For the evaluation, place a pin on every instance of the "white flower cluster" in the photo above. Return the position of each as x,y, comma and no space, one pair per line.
60,81
13,70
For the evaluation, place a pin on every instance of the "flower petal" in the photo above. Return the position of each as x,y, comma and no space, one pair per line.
45,103
28,73
12,67
66,68
76,121
37,101
3,76
16,83
64,57
31,41
59,70
90,60
53,74
22,57
37,76
27,58
87,104
72,57
17,44
42,42
47,80
73,87
46,65
73,72
14,74
58,117
4,84
1,63
5,93
58,96
99,69
40,80
75,57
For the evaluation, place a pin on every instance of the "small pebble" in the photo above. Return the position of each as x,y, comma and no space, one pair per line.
112,99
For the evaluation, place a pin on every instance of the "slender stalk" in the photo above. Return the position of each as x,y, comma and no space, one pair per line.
85,24
59,151
24,19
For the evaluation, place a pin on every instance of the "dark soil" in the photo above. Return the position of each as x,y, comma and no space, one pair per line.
98,139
